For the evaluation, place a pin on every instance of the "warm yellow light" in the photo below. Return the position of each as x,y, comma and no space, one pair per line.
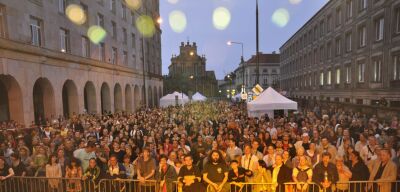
75,14
145,25
191,53
280,17
134,4
221,18
96,34
177,21
159,20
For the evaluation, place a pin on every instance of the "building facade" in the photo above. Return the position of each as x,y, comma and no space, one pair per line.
269,73
50,68
188,73
348,52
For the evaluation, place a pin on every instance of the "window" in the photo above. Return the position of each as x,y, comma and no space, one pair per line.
123,13
377,69
113,6
321,53
361,72
321,79
348,74
362,34
3,26
62,4
329,50
338,76
379,24
114,55
125,36
397,19
125,58
329,77
396,67
133,36
362,4
64,40
321,26
338,16
348,42
134,61
100,20
102,52
113,30
328,23
316,32
86,11
36,31
338,46
133,18
85,47
349,9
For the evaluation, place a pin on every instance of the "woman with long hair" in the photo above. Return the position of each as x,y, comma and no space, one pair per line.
53,170
74,172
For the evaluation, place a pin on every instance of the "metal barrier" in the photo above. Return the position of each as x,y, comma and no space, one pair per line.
269,187
129,185
368,186
45,184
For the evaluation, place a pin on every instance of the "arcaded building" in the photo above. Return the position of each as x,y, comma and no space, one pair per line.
50,68
347,53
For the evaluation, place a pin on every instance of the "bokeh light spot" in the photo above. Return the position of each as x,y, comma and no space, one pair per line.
177,21
76,14
173,1
295,2
96,34
280,17
134,4
145,25
221,18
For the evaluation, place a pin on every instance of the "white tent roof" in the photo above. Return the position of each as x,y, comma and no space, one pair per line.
271,100
198,97
171,99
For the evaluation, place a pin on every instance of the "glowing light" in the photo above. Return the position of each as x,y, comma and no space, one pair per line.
76,14
173,1
145,25
229,43
295,2
96,34
134,4
221,18
191,53
177,21
280,17
159,20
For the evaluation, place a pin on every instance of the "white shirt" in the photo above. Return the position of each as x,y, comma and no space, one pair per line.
269,162
249,162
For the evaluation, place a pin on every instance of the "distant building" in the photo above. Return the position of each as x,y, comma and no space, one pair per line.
188,72
347,53
269,72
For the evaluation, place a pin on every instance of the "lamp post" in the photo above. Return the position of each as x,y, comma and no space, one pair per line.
257,48
241,61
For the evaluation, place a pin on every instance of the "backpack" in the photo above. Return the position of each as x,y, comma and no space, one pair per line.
302,176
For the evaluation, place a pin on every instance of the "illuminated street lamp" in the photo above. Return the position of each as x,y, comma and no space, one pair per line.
159,20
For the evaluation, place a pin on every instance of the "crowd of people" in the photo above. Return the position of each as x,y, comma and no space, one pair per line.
210,146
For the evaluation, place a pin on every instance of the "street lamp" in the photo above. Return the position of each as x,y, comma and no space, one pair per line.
234,42
242,61
257,48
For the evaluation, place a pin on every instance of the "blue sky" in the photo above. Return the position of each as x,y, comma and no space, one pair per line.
212,42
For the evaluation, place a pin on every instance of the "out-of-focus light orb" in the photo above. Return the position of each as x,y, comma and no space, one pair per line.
173,1
295,2
221,18
145,25
177,21
96,34
160,20
134,4
76,14
280,17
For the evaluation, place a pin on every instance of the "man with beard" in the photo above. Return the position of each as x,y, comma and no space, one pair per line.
190,176
215,173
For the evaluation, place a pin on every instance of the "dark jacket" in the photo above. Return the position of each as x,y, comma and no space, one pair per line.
169,176
319,173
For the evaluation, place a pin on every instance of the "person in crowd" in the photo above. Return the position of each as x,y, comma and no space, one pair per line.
74,174
313,154
166,175
117,151
269,158
369,152
362,142
190,176
286,159
300,153
326,146
254,149
92,175
53,170
344,174
304,142
325,173
249,161
85,154
25,159
237,177
146,169
383,172
345,137
281,174
261,175
302,174
233,150
129,167
16,164
115,171
359,171
215,173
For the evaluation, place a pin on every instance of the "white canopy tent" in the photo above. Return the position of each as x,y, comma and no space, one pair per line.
173,99
198,97
267,102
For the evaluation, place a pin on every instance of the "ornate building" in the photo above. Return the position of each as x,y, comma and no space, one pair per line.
188,72
347,53
49,68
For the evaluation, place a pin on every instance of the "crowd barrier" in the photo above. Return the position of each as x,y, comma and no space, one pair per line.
44,184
